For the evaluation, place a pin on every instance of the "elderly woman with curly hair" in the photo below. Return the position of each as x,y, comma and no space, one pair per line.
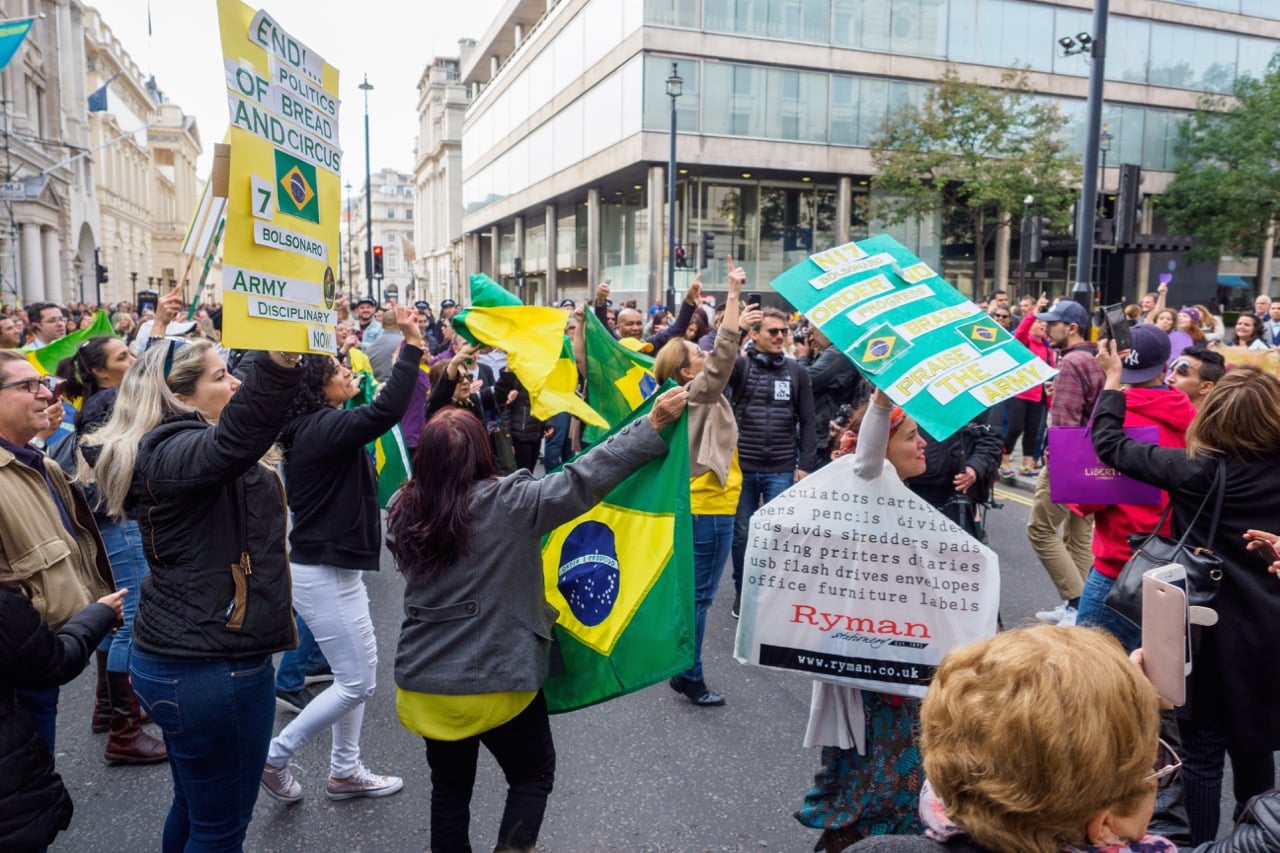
1039,740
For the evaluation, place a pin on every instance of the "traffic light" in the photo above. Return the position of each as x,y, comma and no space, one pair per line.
682,259
100,270
377,262
708,247
1128,200
1038,229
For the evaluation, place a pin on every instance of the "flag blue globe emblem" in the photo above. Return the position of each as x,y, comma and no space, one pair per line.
648,385
588,574
298,189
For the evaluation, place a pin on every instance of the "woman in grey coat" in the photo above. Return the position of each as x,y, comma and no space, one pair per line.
475,643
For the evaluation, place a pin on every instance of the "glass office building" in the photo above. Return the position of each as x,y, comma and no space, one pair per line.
566,140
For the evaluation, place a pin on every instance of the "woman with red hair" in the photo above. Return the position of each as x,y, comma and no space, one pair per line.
475,644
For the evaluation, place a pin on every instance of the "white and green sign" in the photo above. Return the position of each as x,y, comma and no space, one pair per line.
916,337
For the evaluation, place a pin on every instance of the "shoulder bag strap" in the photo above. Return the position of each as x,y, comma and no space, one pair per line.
1215,491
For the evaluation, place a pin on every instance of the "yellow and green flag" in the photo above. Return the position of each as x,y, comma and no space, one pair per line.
619,380
45,359
390,455
621,575
538,352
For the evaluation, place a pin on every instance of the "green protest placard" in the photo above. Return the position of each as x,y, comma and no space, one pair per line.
916,337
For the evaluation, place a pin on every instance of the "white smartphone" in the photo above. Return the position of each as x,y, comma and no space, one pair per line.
1166,637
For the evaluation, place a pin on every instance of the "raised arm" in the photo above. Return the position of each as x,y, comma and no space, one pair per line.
873,438
543,505
677,329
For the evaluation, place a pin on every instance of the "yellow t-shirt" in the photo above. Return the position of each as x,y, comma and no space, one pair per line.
443,717
708,497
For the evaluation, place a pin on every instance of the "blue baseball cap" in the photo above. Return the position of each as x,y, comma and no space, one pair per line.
1067,311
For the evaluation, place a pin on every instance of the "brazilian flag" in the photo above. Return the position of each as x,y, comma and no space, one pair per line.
296,181
45,359
618,379
621,575
389,452
538,352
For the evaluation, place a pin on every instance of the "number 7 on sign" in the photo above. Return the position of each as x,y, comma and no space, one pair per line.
264,199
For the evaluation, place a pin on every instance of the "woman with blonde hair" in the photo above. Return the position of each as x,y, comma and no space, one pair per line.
1232,462
715,478
182,455
1039,740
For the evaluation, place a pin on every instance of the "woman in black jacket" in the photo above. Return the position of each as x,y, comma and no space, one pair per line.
517,419
183,454
337,535
34,804
1235,679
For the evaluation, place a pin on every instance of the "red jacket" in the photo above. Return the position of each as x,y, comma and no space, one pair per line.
1039,346
1171,411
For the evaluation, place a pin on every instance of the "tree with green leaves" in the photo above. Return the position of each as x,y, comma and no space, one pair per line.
970,153
1225,190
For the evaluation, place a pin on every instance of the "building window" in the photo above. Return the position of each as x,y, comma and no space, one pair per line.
391,213
408,213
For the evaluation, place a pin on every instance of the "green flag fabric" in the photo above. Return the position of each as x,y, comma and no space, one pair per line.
618,379
45,359
390,455
621,575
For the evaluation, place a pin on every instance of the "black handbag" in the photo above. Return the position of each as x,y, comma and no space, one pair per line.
1151,551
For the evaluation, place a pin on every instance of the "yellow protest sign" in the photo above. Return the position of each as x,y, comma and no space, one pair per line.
283,205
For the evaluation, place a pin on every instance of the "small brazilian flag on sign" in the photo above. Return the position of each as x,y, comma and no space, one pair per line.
297,182
875,350
982,333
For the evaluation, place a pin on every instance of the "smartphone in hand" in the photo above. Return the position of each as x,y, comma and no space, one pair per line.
1118,326
754,299
1166,638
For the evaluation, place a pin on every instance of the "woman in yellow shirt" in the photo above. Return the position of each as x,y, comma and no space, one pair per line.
715,478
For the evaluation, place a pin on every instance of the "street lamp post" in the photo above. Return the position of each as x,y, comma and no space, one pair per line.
1095,45
1104,145
675,87
1024,245
366,87
351,246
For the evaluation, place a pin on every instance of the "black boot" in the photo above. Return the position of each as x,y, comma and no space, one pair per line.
696,692
102,698
129,743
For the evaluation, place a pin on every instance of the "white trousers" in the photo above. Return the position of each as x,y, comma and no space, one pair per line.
335,605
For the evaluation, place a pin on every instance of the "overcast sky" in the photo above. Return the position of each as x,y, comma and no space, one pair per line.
390,40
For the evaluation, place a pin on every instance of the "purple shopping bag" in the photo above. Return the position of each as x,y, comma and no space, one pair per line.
1077,476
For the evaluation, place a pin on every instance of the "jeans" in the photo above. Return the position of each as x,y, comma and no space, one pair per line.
1204,747
526,753
758,487
291,674
216,716
334,603
1092,612
128,567
41,705
712,538
555,450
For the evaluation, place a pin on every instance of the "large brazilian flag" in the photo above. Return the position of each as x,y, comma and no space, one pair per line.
619,380
621,575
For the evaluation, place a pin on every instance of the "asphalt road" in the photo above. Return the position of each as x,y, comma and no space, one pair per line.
648,771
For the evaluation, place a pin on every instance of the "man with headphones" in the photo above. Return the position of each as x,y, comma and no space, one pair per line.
777,442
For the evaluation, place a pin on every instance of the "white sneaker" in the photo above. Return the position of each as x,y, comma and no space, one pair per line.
1057,614
362,783
280,785
1068,619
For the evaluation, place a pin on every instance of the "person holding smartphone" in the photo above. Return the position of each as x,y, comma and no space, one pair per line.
1235,681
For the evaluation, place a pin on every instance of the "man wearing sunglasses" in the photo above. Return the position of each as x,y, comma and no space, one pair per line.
772,399
1195,372
47,533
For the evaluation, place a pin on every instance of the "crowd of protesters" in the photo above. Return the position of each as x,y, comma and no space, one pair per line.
163,482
